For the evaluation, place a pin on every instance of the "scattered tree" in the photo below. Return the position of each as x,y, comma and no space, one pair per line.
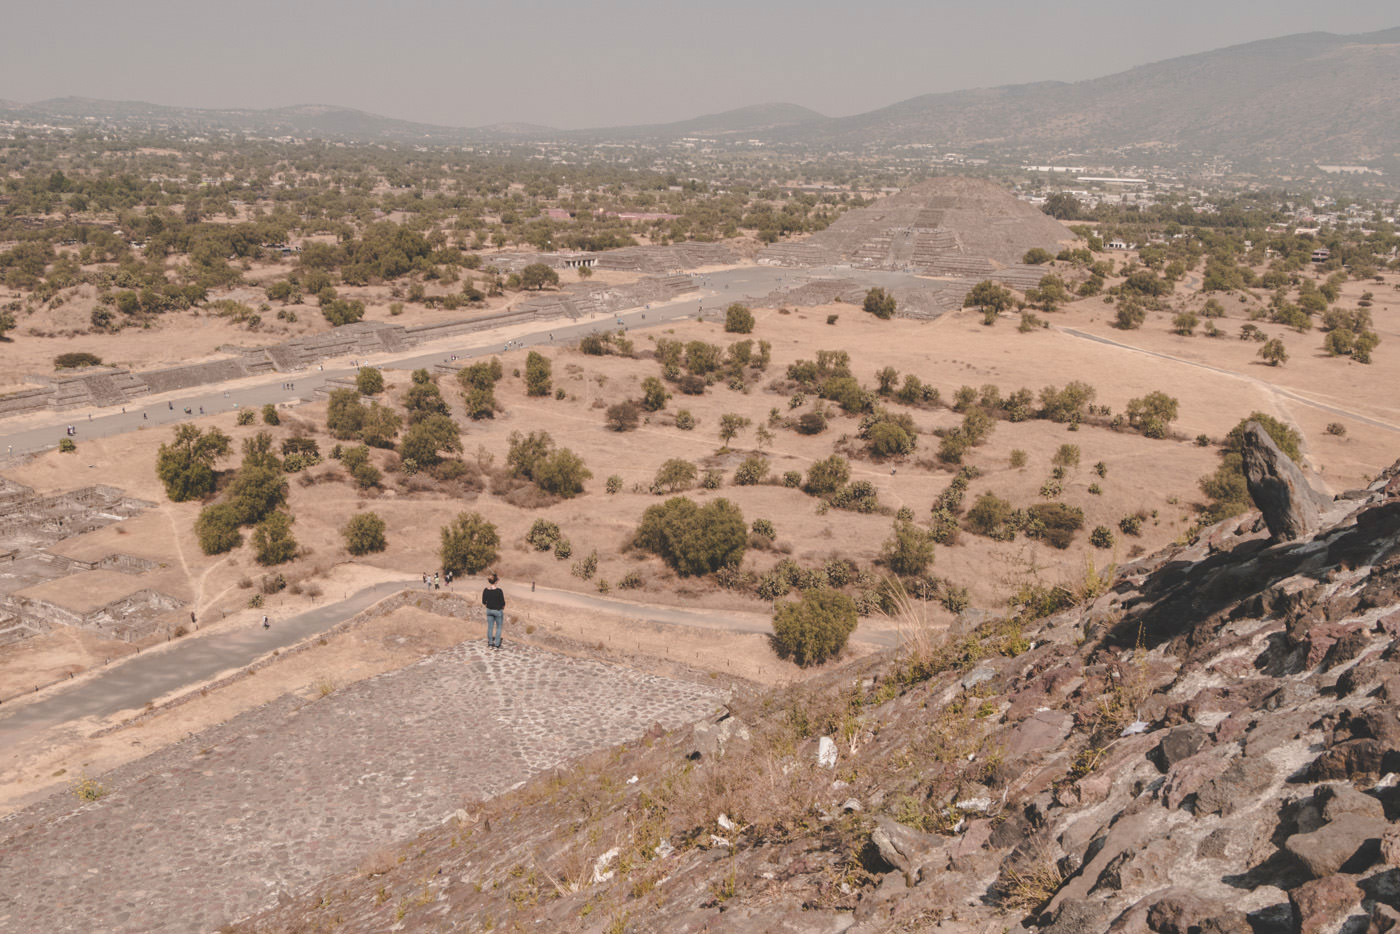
674,475
538,275
369,381
991,298
738,319
825,477
186,464
217,529
537,374
624,416
469,544
364,533
1273,352
425,443
879,303
694,539
730,424
272,539
909,550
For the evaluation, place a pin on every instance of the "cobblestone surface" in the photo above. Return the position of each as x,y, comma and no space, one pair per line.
219,825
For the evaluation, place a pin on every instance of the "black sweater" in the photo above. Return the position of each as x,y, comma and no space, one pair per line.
493,598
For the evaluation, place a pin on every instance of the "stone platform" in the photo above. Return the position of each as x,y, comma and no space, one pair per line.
217,826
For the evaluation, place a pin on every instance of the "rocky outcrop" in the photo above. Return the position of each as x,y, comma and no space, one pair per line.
1213,745
1291,507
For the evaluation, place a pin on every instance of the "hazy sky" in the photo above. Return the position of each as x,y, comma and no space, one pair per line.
608,62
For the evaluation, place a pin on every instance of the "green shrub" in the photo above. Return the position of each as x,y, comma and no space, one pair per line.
67,446
1101,537
364,533
537,374
751,472
76,360
814,628
909,550
765,528
1066,456
270,416
469,544
792,479
1054,523
185,465
533,457
879,303
272,539
654,394
369,381
244,417
990,516
738,319
217,529
543,535
825,477
614,484
684,420
1018,458
860,496
345,415
674,475
693,539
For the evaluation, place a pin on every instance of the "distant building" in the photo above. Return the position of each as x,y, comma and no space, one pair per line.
1117,245
1321,254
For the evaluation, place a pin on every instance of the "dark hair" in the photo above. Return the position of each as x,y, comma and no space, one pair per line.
492,579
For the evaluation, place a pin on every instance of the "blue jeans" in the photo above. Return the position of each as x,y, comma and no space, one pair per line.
495,619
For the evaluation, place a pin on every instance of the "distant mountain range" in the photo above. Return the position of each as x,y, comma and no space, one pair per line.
1296,99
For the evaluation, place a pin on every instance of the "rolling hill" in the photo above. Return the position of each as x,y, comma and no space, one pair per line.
1313,97
1310,96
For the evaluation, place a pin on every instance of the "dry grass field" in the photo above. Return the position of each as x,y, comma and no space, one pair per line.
1217,381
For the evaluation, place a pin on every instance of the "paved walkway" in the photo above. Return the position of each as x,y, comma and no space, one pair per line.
139,678
29,433
214,828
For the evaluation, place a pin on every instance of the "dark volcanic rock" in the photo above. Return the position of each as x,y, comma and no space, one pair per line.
1351,842
1240,783
1180,743
1320,905
1291,507
1181,911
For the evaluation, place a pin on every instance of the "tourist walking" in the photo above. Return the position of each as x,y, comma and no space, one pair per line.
494,599
266,624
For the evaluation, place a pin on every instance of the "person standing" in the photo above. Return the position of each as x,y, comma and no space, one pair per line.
494,599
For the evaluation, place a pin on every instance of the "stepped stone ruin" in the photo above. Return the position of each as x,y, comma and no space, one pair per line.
30,525
956,232
108,387
950,227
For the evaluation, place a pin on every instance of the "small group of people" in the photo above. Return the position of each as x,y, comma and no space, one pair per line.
435,582
289,385
72,430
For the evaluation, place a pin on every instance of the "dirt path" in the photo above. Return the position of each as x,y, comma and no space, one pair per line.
1253,381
